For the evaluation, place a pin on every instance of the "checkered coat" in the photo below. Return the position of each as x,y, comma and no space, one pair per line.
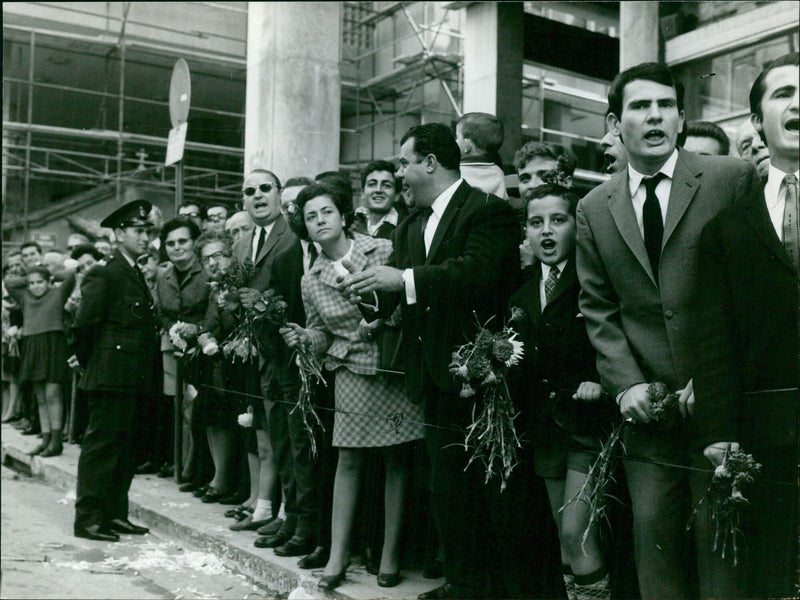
331,320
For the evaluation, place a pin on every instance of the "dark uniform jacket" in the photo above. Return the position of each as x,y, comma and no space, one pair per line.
116,331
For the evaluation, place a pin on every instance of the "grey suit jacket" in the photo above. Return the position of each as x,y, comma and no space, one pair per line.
280,238
644,331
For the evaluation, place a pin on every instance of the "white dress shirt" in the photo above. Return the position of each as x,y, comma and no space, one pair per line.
438,207
267,229
663,189
775,197
545,275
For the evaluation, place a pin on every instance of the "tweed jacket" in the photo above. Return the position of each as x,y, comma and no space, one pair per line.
187,301
643,331
280,238
331,320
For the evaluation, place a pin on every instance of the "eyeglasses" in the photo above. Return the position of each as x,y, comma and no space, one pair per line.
215,218
265,188
178,242
217,256
191,214
143,260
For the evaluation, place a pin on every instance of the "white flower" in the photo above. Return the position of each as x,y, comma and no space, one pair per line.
245,419
208,344
518,351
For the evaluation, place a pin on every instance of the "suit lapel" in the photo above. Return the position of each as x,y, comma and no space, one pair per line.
621,207
565,282
684,187
447,218
132,273
416,245
759,221
275,234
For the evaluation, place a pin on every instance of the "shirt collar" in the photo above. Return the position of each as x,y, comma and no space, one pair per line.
635,177
773,186
440,204
546,269
389,217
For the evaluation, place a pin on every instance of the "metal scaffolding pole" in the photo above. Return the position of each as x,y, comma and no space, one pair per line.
29,139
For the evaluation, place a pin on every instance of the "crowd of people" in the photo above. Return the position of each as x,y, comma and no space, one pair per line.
681,269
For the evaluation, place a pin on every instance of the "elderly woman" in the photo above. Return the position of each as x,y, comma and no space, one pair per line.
182,292
371,407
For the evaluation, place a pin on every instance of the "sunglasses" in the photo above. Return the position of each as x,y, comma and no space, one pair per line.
265,188
179,241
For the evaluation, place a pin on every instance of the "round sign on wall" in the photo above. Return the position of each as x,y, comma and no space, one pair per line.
180,93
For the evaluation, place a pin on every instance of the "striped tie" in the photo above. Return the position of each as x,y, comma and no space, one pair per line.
550,284
791,227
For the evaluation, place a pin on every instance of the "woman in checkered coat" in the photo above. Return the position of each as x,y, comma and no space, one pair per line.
371,408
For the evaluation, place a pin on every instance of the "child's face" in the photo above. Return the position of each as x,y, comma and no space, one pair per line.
550,229
37,284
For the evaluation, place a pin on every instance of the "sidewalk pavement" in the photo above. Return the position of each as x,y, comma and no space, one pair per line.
179,516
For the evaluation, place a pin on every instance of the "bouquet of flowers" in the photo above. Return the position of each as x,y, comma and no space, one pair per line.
184,337
242,343
234,278
726,497
594,492
483,365
272,308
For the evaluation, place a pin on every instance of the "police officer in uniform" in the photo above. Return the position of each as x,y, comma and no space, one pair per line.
116,342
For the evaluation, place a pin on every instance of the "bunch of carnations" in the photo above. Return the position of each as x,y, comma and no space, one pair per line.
184,338
482,366
242,343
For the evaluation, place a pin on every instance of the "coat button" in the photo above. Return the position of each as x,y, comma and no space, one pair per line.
119,347
428,309
419,337
668,313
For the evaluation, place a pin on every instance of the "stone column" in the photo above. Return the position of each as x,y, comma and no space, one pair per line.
293,115
493,56
639,33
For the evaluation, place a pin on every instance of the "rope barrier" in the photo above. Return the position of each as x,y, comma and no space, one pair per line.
395,419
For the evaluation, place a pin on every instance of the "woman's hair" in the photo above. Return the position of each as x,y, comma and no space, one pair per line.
341,200
39,270
210,237
177,223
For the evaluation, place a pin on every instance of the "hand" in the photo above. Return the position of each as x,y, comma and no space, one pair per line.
686,400
588,391
72,362
375,279
635,404
293,334
248,297
715,453
526,257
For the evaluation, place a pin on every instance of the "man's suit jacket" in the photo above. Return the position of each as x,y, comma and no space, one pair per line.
116,330
279,239
466,278
749,330
643,331
557,355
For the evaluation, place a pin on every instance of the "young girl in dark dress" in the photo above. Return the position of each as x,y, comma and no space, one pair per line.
44,351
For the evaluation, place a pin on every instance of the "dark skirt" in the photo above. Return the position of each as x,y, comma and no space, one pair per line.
44,358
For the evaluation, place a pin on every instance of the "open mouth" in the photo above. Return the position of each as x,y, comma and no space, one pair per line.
548,245
793,125
655,136
260,204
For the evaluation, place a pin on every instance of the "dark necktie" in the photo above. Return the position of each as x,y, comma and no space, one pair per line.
791,227
652,221
260,243
550,284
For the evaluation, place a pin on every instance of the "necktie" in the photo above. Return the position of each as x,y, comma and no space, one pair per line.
424,214
260,243
791,227
652,221
550,284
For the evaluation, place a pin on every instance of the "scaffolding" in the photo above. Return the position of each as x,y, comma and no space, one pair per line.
377,91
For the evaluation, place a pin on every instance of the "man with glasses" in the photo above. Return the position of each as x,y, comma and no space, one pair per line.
116,341
192,211
214,221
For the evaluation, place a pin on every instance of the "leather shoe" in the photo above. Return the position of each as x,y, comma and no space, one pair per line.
271,528
232,512
188,487
273,541
147,468
388,579
440,593
248,524
125,526
201,491
212,495
234,498
316,560
96,532
329,582
166,471
298,545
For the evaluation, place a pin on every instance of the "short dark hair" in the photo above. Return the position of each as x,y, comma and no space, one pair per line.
177,223
710,130
30,244
757,90
380,165
267,172
224,205
338,180
297,181
436,139
485,130
82,249
40,270
341,200
548,151
649,71
552,189
210,237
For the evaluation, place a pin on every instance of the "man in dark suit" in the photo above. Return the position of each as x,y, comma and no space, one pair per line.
116,341
637,265
451,269
747,376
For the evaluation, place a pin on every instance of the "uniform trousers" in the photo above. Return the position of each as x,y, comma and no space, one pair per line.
107,460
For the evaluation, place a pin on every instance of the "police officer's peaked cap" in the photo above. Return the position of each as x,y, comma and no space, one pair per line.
133,214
